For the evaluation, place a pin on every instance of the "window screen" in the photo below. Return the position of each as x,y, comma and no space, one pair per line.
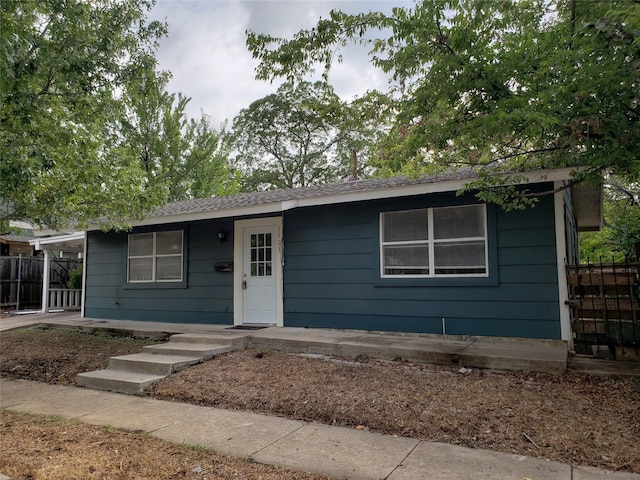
449,241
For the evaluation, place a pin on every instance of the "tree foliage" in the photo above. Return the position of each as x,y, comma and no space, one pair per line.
620,235
305,135
75,122
510,85
180,157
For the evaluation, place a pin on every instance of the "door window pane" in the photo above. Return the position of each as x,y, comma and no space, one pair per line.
260,255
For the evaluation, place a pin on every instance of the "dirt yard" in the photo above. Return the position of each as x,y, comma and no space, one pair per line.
572,418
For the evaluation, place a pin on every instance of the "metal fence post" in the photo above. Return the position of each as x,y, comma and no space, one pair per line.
19,281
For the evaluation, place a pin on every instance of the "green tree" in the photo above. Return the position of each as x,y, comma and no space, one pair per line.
366,120
80,139
499,86
305,135
181,157
620,235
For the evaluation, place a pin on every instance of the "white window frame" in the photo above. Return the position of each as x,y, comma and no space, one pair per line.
154,256
431,242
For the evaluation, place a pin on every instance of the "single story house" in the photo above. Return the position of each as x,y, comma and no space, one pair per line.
394,254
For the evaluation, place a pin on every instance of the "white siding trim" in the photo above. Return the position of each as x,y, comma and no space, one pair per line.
561,248
84,277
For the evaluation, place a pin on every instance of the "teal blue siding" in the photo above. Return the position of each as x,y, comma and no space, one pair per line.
332,275
205,297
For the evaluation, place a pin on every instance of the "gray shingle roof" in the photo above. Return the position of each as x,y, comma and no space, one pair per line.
213,204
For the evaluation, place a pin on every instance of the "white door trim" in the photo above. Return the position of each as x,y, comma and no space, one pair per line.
238,267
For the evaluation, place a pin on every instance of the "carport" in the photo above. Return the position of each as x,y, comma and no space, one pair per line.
60,298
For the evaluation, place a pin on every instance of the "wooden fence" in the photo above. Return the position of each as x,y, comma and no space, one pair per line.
605,309
21,280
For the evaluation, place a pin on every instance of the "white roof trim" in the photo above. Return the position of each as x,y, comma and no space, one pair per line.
59,242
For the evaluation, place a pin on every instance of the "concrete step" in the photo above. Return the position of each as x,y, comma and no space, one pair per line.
121,381
133,373
237,339
151,363
204,351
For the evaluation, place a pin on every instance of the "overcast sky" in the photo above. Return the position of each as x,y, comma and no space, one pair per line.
206,53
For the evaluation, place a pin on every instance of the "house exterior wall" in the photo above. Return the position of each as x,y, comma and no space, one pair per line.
332,275
205,297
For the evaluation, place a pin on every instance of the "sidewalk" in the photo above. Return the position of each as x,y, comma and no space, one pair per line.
334,451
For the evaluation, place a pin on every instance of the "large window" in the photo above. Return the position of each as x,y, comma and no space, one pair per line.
155,257
434,242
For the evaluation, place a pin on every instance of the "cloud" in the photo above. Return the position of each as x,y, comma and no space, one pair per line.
206,52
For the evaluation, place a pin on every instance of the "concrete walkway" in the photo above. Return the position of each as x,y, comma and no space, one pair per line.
334,451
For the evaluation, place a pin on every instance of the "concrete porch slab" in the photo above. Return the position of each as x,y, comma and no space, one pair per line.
476,352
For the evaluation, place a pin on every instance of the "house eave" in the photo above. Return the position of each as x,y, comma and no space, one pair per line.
588,206
276,208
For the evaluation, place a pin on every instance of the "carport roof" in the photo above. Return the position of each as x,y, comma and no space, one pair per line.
73,242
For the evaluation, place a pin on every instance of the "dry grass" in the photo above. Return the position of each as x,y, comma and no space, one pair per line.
57,355
571,418
49,448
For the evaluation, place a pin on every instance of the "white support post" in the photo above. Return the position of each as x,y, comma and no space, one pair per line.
45,281
84,275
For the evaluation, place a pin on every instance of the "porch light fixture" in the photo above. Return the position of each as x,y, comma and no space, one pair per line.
222,236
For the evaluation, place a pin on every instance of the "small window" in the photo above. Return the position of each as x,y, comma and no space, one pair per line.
434,242
155,257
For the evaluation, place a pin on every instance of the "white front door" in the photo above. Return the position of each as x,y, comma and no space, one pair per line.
258,288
